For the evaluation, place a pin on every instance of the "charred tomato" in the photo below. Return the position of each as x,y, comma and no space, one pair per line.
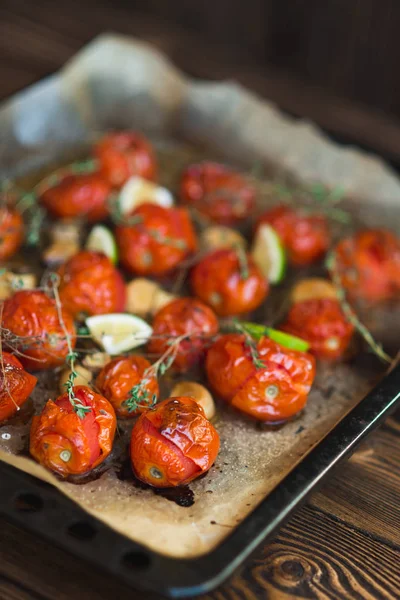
217,192
305,237
84,195
32,321
173,444
157,241
368,264
322,323
91,285
11,232
117,378
124,154
272,388
67,444
180,317
16,385
229,287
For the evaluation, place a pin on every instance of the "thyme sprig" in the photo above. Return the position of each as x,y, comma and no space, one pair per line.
243,261
350,313
79,408
139,396
251,344
317,197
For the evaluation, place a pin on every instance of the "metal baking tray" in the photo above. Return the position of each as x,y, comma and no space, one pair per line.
36,506
29,122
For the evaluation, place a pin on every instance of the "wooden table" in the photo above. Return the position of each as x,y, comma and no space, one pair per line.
345,543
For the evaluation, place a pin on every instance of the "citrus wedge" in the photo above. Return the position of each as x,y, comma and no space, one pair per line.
269,254
118,332
101,239
292,342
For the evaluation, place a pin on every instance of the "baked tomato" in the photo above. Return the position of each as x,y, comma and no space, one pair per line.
217,192
16,385
320,322
229,286
305,237
119,376
31,318
368,264
124,154
64,442
180,317
173,444
158,241
84,195
91,285
11,232
272,388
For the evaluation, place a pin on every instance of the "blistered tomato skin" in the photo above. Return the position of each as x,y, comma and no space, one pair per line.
84,196
160,240
273,392
217,192
11,232
16,385
322,323
123,155
91,285
368,264
173,444
305,237
33,317
67,444
119,376
219,282
179,317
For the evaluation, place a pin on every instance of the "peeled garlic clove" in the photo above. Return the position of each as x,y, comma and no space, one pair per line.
97,360
313,288
65,232
23,281
145,297
199,393
10,282
84,377
59,252
218,236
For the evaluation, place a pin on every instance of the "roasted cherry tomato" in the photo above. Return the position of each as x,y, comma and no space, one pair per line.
272,388
91,285
305,237
64,442
119,376
180,317
217,192
32,317
320,322
84,195
173,444
223,282
124,154
158,242
16,385
369,264
11,232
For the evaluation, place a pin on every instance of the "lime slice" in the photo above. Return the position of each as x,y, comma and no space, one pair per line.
292,342
269,253
101,239
137,191
118,332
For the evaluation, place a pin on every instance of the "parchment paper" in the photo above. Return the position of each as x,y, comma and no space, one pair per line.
118,83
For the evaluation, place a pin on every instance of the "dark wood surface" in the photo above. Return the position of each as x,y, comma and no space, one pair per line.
345,543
